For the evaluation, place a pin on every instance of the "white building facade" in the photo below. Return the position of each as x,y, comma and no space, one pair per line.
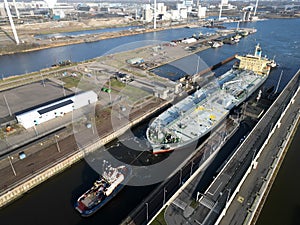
36,116
201,12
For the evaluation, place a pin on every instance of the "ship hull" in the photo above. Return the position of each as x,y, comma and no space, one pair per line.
158,148
93,206
89,212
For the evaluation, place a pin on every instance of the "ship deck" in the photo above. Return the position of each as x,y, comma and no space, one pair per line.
197,114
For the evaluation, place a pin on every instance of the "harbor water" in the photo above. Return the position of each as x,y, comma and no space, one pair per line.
52,201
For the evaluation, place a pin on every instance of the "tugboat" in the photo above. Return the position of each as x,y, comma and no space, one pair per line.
103,190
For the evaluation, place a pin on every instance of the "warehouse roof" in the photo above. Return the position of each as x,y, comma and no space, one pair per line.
56,106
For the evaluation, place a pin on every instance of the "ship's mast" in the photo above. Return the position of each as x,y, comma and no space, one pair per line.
257,52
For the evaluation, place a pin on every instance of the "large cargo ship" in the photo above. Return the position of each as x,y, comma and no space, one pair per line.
104,189
198,114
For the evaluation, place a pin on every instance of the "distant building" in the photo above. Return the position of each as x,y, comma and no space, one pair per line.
161,92
189,40
148,13
83,7
135,61
38,8
201,12
40,114
161,8
188,2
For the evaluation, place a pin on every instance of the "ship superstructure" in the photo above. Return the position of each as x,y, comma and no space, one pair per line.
200,113
256,63
104,189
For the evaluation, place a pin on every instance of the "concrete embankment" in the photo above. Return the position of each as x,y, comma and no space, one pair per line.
274,169
257,180
35,179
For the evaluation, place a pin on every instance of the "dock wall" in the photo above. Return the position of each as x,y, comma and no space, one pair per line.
274,168
264,189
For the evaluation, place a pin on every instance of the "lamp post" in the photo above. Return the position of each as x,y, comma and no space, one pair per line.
43,81
180,177
35,130
147,211
164,196
109,87
228,195
12,166
93,122
6,102
64,91
191,172
57,145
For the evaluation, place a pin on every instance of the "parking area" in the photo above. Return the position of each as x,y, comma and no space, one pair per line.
27,96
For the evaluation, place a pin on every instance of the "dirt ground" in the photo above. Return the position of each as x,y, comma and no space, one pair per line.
28,42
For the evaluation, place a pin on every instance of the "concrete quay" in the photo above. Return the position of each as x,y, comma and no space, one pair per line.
248,199
213,206
182,198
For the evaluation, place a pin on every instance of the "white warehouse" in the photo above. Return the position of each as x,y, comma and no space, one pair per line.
41,114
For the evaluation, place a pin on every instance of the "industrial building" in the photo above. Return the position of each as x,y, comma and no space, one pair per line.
40,114
135,61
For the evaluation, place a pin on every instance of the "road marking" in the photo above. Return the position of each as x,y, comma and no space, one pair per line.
240,199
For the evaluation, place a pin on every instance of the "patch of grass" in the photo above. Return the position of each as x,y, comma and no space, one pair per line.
116,83
71,81
134,94
160,219
194,204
